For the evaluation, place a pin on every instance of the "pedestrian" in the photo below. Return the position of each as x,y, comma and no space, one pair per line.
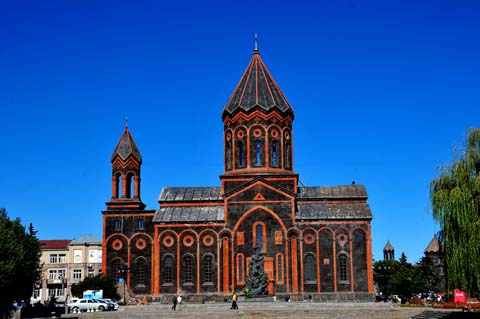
234,301
174,300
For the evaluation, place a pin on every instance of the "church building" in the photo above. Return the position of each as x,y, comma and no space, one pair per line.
316,241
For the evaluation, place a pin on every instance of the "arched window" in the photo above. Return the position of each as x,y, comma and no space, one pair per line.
130,182
208,269
241,154
279,268
258,160
342,268
140,272
259,236
118,186
168,270
228,157
287,155
310,268
116,267
141,224
118,224
188,269
274,154
240,269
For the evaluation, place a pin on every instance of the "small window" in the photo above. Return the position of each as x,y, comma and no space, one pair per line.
53,258
77,274
141,224
118,224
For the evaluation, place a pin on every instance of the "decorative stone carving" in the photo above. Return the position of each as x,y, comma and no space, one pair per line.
257,280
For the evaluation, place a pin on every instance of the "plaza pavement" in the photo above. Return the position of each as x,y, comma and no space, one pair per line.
258,310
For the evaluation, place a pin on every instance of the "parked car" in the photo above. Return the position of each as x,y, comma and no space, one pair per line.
111,303
87,304
52,309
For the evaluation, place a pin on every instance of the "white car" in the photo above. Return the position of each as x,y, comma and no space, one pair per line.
86,305
110,302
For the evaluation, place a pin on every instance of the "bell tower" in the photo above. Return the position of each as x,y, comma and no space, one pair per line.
257,130
126,161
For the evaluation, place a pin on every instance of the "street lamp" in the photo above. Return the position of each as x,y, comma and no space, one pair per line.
124,270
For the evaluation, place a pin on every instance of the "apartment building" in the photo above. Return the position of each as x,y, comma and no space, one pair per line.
66,262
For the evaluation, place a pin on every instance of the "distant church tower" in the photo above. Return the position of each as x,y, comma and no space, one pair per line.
388,252
126,161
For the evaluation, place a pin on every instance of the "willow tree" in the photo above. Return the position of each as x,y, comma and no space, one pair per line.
455,197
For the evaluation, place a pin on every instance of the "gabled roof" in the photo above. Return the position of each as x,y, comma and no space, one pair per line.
54,244
256,89
388,247
126,147
433,246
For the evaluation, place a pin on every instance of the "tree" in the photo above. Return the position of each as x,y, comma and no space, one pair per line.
398,277
98,282
19,261
455,197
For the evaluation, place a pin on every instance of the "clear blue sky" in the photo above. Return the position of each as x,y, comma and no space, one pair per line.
383,92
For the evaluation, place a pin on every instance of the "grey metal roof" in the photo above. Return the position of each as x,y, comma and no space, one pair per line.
318,211
256,88
190,214
332,192
86,239
126,146
180,194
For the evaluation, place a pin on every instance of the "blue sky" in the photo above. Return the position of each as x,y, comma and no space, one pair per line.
384,92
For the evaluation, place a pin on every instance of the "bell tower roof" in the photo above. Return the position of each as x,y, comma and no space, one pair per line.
127,147
257,89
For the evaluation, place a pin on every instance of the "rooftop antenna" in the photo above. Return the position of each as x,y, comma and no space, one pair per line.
256,42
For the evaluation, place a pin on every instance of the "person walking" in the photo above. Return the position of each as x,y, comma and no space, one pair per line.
174,300
234,301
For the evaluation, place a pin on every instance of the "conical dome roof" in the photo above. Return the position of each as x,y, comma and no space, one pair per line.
388,246
126,147
433,246
256,89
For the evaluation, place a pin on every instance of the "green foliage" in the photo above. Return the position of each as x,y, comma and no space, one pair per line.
427,270
399,277
19,260
455,197
97,282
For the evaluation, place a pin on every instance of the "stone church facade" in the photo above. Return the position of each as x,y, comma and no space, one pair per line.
316,241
